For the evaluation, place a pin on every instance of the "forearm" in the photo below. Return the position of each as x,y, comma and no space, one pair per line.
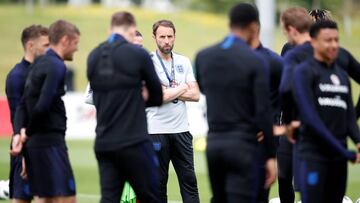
354,131
263,112
172,93
53,79
43,105
352,125
20,120
190,95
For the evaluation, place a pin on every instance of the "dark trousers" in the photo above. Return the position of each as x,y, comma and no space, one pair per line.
136,164
234,171
285,170
322,182
285,178
178,149
263,196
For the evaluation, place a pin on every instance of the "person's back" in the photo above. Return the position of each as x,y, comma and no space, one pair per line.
118,72
15,82
228,74
292,58
235,81
275,65
121,109
286,47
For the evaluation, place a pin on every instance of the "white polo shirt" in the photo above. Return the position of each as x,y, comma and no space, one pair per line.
170,117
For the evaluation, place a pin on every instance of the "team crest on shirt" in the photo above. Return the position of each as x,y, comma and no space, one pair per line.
179,68
335,79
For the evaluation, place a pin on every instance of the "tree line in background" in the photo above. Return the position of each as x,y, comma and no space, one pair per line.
338,7
224,5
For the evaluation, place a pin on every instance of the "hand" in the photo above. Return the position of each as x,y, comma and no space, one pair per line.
184,86
23,173
290,130
279,130
357,159
270,172
17,142
358,147
16,145
23,136
145,93
260,136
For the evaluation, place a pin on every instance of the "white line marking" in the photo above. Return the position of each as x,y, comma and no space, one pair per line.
91,196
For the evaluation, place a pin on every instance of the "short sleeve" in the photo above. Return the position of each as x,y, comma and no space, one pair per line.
189,72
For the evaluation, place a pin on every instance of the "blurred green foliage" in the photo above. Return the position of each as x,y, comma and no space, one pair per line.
222,6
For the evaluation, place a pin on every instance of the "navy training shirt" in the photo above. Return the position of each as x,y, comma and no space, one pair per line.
15,83
292,58
287,47
121,118
297,55
232,77
326,110
275,64
42,111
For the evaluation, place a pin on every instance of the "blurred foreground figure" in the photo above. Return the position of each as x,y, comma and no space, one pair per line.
233,78
117,70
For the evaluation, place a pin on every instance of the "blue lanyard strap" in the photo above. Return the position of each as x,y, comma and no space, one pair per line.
172,78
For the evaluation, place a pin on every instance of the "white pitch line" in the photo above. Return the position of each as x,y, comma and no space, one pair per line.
91,196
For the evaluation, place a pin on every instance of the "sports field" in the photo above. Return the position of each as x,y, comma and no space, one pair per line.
86,175
195,30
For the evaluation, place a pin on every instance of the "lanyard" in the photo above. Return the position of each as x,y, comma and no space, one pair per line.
171,79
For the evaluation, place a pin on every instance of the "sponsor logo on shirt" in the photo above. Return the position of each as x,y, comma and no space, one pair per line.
335,79
335,87
332,102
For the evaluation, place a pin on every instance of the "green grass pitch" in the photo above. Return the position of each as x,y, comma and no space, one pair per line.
87,180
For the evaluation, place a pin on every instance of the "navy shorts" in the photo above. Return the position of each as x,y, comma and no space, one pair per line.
19,188
49,171
322,181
